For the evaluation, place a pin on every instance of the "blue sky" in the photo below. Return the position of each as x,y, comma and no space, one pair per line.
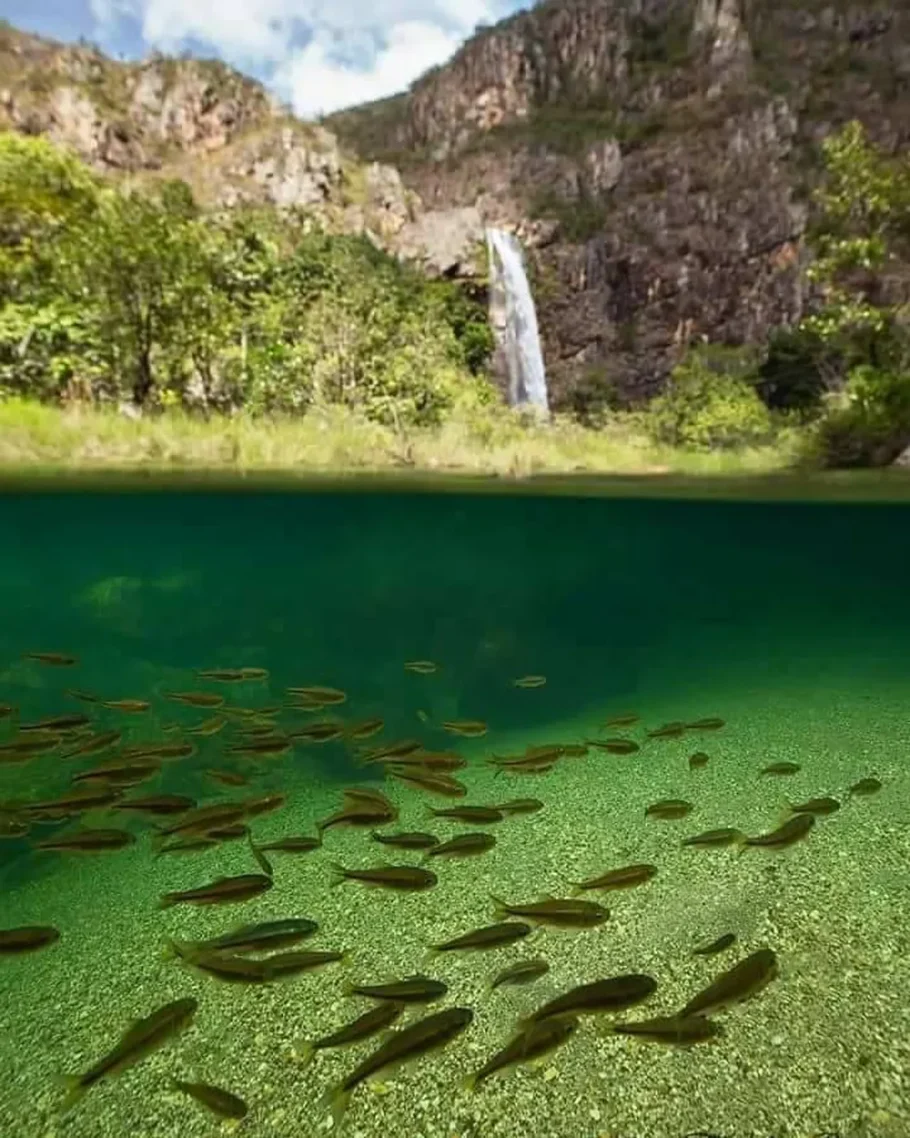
319,55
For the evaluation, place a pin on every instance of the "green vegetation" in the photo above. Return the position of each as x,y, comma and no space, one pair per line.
254,338
114,294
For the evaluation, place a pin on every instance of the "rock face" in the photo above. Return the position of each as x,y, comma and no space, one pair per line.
665,149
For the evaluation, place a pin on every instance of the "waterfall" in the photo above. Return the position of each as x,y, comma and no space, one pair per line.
516,326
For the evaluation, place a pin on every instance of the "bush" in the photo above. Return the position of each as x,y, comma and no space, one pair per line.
709,403
798,370
870,426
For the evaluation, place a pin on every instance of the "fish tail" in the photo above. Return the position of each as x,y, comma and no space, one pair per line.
469,1084
347,958
307,1054
502,909
339,875
347,988
575,890
166,901
336,1099
74,1088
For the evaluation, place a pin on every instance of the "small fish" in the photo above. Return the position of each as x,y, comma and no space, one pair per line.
7,710
492,936
469,728
229,834
300,844
397,750
323,732
410,1043
143,1037
233,675
13,826
726,836
614,746
370,796
669,808
52,659
698,760
416,989
413,840
574,750
358,813
204,818
243,970
600,996
260,937
712,723
819,806
681,1031
276,745
157,804
668,731
782,768
524,972
436,782
208,726
400,877
52,723
75,801
553,911
222,890
478,815
195,698
27,938
325,696
624,878
866,786
519,806
93,744
216,1099
420,667
365,729
740,982
428,761
22,750
717,945
375,1020
793,830
88,841
120,772
626,719
529,682
532,1042
228,778
129,706
166,751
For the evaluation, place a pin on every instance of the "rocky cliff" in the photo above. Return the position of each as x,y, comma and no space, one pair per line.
657,154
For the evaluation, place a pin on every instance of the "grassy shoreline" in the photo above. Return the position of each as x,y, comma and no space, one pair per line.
495,442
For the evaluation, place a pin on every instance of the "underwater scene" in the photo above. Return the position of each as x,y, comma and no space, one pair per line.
453,815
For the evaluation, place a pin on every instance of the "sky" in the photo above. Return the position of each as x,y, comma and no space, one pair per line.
317,55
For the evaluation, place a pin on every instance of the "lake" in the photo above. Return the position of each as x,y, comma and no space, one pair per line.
780,609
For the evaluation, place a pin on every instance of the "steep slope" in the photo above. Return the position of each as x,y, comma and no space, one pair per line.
657,154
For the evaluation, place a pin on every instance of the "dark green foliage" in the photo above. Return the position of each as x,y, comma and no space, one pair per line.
871,427
660,43
578,219
797,371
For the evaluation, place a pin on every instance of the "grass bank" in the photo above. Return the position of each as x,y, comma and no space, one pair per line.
495,441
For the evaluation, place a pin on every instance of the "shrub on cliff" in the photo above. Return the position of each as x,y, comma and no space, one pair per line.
869,425
709,403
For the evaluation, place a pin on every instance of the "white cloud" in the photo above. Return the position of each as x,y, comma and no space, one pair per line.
322,54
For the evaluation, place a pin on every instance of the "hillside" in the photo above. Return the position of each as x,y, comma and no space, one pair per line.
658,156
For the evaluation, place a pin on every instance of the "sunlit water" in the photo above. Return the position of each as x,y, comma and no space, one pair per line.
790,621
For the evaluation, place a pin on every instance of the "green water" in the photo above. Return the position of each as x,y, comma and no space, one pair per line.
790,620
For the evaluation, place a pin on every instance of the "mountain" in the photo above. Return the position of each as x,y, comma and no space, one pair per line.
657,155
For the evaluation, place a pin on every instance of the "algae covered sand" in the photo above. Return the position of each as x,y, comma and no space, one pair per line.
777,619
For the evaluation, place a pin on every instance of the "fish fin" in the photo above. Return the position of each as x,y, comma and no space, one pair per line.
336,1099
307,1054
347,958
339,875
166,901
469,1084
169,950
347,988
576,889
502,909
74,1088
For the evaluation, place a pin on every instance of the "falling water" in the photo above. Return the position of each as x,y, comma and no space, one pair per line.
510,294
